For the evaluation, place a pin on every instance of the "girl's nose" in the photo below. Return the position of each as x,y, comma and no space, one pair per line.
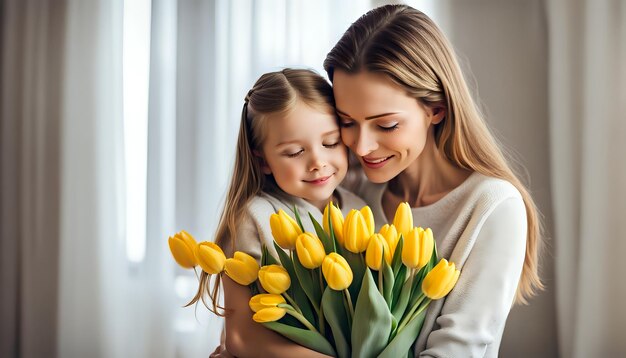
316,162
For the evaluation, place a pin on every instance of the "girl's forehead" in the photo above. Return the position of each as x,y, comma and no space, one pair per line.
302,123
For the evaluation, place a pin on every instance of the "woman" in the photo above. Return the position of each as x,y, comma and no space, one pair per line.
406,113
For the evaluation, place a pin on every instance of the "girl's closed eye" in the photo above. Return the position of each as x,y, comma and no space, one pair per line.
332,144
293,153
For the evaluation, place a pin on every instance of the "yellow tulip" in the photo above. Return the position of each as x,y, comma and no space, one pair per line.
242,268
403,219
336,217
210,257
374,253
390,234
310,250
284,229
265,300
337,272
418,248
183,245
269,314
356,233
369,219
274,279
440,280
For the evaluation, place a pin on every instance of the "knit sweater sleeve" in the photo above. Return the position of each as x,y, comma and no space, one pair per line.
475,311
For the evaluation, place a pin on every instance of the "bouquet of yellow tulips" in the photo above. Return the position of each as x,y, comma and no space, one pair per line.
344,290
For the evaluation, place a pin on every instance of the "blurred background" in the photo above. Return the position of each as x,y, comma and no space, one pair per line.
117,126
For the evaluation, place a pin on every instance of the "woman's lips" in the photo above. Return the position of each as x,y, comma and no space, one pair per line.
375,163
319,181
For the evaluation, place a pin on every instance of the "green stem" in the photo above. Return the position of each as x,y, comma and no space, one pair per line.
350,307
408,317
298,316
322,322
422,307
380,281
292,302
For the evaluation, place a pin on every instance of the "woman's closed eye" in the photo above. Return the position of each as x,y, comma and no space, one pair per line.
331,145
346,124
388,127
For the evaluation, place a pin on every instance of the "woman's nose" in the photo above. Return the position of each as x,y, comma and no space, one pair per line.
365,143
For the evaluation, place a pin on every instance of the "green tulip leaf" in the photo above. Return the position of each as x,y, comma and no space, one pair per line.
372,322
266,257
311,287
403,299
337,318
296,290
396,263
357,264
298,220
417,284
401,344
388,282
304,337
416,290
398,285
329,244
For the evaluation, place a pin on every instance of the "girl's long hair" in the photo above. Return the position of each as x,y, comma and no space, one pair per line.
273,94
406,45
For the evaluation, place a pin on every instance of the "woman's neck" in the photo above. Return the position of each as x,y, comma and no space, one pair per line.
428,179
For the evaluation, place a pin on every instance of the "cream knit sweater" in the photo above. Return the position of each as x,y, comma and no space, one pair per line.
481,227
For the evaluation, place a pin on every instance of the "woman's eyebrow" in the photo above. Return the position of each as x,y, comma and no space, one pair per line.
369,117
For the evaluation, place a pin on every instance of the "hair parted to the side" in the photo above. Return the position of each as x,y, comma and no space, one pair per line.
273,94
406,45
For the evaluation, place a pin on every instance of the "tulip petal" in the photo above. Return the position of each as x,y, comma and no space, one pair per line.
183,254
269,314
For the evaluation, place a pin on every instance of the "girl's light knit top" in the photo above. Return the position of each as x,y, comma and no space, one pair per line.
255,230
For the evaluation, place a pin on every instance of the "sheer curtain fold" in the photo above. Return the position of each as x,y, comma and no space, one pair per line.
92,278
30,115
588,96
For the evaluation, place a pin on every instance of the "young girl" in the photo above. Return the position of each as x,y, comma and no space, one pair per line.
289,152
407,115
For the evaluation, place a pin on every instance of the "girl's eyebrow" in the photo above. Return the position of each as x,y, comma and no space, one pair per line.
367,118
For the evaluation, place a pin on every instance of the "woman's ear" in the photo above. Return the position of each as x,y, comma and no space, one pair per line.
437,114
262,162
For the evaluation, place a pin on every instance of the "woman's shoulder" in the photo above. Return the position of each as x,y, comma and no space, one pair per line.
490,190
488,196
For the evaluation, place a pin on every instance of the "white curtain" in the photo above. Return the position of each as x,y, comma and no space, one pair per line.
204,57
588,127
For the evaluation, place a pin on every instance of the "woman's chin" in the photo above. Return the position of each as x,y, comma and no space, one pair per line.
379,176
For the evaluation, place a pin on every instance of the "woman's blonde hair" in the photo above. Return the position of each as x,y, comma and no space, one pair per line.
407,46
274,93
